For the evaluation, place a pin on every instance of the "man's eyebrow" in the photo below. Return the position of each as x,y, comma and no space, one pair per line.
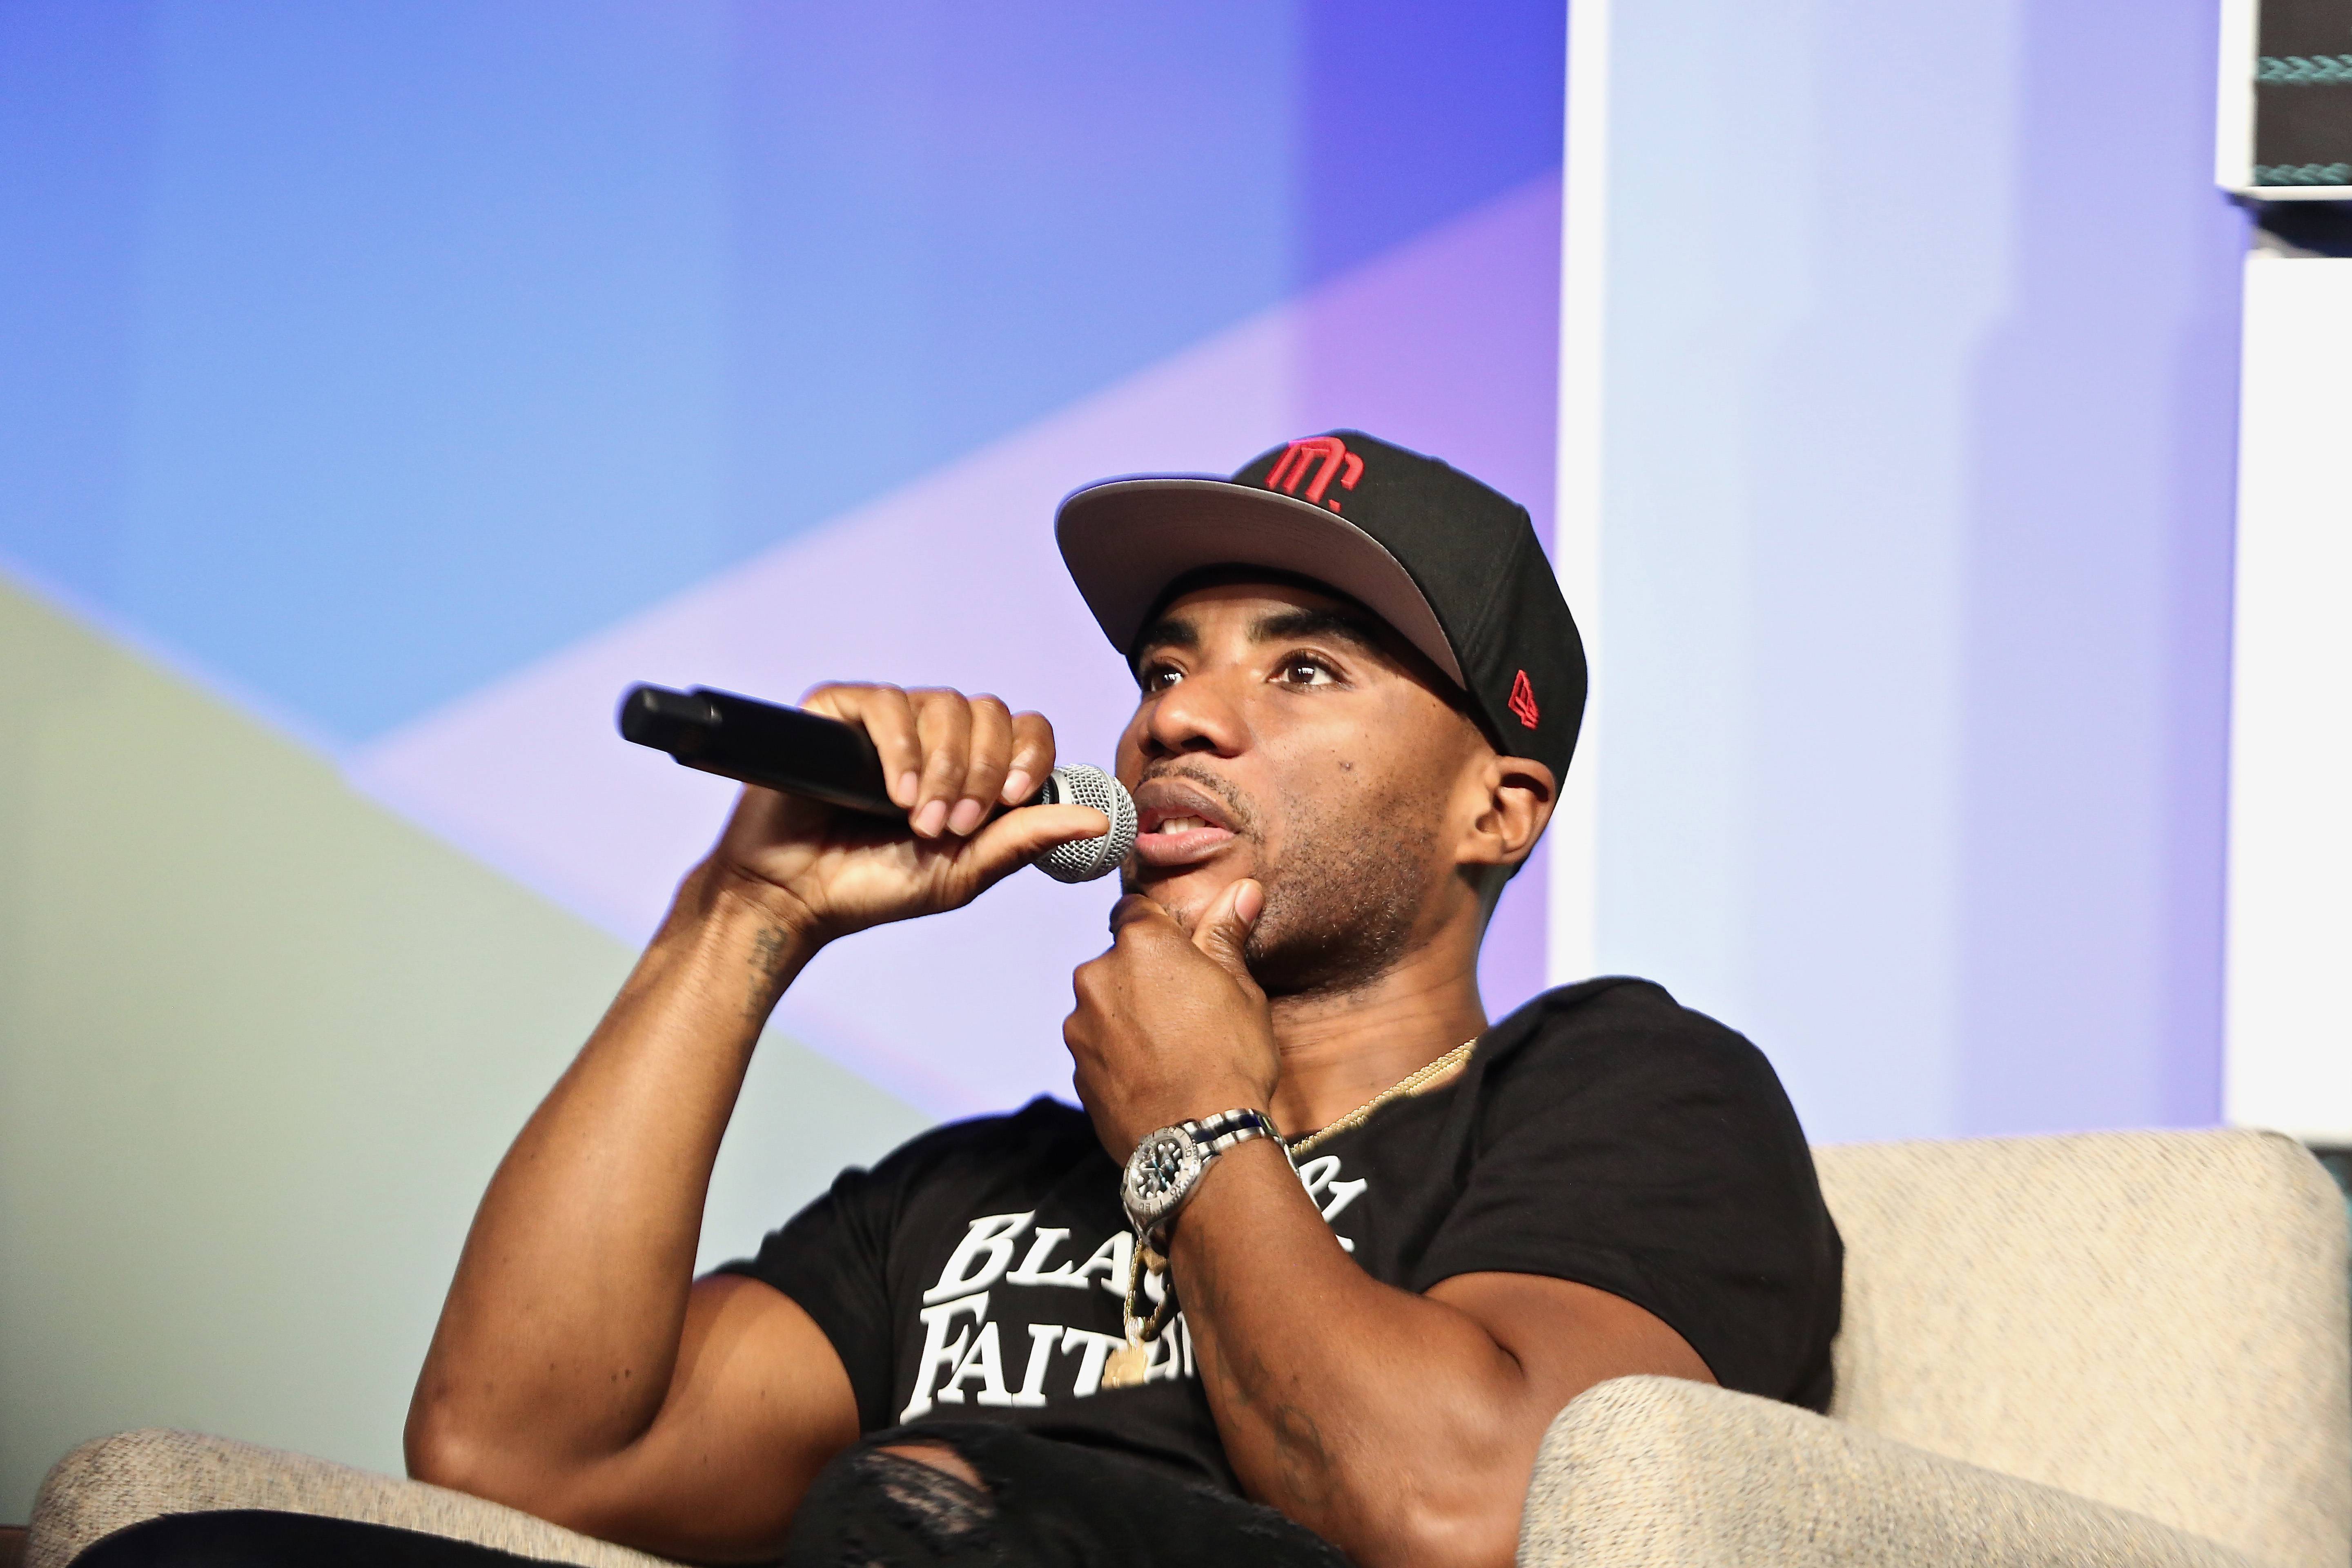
1167,631
1178,633
1284,625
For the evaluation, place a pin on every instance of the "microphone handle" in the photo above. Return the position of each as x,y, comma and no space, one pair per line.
786,749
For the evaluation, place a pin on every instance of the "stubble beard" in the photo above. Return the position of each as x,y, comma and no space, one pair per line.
1342,904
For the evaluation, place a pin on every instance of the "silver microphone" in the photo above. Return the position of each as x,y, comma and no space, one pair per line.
1084,860
806,754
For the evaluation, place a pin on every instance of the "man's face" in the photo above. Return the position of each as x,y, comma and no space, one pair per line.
1287,735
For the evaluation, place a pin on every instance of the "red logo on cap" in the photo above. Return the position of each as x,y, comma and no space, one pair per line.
1523,701
1326,455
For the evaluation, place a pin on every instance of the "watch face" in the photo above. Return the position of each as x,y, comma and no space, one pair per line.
1158,1173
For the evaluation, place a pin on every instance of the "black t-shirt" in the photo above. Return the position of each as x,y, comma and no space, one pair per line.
1603,1134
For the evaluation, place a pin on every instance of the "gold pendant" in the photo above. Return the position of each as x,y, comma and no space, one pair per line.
1128,1365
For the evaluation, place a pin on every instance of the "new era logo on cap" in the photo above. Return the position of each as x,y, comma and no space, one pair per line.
1522,702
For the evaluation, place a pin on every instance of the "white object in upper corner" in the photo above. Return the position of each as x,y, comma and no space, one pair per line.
2287,1060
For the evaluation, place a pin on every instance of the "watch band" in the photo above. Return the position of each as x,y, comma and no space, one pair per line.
1219,1132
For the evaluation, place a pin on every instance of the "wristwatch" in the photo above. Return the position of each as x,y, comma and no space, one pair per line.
1166,1167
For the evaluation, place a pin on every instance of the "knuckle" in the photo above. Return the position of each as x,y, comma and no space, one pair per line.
946,701
841,698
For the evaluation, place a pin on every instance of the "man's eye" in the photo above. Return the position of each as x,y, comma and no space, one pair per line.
1303,671
1160,676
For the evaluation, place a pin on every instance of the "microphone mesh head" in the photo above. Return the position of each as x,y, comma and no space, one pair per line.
1084,860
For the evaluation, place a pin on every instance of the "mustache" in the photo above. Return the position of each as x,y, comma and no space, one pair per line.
1237,804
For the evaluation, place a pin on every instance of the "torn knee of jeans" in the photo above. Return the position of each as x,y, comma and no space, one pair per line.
940,1457
931,1487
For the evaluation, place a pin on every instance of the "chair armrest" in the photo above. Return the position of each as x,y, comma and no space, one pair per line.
1653,1470
117,1481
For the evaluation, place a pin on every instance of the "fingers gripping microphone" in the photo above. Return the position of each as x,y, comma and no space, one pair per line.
1084,860
804,753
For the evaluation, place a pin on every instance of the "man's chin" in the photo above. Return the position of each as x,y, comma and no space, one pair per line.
1185,892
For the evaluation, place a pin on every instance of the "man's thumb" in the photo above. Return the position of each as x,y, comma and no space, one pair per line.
1224,933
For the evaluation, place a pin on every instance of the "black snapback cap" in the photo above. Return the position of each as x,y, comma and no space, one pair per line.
1454,567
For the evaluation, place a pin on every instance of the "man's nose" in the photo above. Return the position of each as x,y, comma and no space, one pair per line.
1198,714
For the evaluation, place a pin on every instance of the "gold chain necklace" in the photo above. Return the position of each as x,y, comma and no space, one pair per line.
1356,1118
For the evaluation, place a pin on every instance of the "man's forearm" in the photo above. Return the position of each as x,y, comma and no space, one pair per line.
1377,1418
561,1325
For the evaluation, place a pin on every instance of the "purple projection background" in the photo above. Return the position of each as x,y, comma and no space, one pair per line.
421,377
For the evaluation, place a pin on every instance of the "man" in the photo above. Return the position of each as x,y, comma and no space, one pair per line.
1358,692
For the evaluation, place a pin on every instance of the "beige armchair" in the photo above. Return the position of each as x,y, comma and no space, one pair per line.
2107,1348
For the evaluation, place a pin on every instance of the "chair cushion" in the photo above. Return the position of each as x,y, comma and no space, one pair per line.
2154,1319
119,1481
1643,1472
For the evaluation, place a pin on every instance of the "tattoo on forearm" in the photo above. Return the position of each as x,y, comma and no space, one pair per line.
1306,1462
768,959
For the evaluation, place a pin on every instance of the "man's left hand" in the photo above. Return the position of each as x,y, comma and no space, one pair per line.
1170,1027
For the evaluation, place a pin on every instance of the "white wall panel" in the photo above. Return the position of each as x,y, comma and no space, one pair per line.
2289,1056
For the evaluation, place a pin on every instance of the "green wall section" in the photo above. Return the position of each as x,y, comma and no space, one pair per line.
261,1045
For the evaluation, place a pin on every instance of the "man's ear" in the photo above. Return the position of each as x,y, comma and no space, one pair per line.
1512,804
1517,798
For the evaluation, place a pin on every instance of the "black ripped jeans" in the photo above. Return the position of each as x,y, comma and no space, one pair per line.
1046,1504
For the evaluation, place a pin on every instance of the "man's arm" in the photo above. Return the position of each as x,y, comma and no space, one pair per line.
576,1365
578,1370
1401,1428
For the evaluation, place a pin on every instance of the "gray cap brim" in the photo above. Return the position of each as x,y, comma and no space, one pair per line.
1124,541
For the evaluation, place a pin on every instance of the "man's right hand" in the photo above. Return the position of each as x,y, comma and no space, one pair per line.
950,760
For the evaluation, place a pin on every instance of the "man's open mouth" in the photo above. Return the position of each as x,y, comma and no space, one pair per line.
1179,824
